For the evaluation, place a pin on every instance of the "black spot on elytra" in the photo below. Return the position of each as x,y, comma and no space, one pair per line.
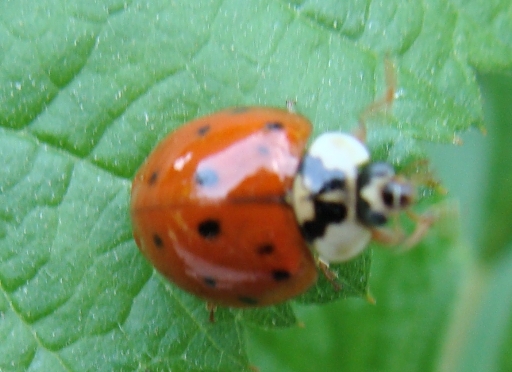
153,178
159,243
209,281
206,177
209,229
248,300
326,213
280,275
265,249
274,125
203,130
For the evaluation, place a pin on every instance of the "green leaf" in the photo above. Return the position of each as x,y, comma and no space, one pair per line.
480,333
352,276
88,88
496,233
481,336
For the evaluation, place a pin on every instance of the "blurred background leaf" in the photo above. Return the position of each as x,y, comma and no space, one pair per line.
440,308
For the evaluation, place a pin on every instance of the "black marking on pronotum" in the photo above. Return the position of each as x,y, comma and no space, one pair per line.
209,229
159,243
265,249
206,177
318,178
326,213
248,300
333,184
203,130
274,125
152,179
209,281
280,275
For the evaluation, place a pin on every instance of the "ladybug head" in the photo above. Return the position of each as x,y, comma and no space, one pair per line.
380,193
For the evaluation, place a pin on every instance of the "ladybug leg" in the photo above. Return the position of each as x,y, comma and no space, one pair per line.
423,224
211,307
330,275
389,236
393,237
379,104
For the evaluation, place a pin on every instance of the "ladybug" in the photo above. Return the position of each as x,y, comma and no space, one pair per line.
230,207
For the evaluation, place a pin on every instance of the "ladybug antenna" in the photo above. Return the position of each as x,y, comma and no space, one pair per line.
382,103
